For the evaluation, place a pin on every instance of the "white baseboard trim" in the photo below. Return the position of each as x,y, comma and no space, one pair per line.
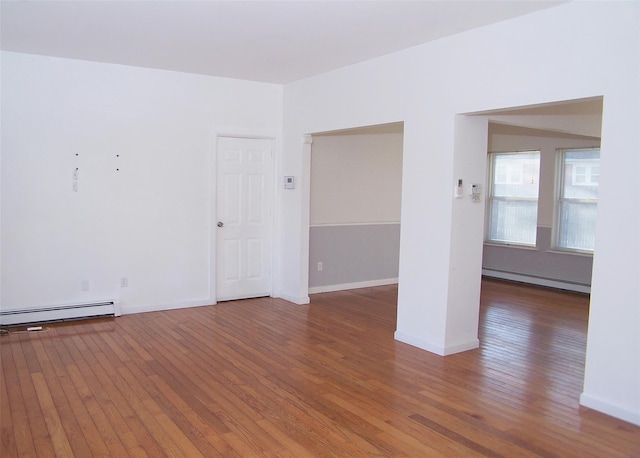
539,281
298,300
437,349
459,348
161,307
126,310
608,408
418,343
356,285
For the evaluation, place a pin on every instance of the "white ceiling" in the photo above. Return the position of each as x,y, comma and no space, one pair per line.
270,41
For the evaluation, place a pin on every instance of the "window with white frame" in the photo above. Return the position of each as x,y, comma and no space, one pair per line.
513,197
577,199
585,174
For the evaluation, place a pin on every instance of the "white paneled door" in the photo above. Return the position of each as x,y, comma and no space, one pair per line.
244,225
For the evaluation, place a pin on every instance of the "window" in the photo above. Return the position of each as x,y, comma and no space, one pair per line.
585,174
513,197
577,199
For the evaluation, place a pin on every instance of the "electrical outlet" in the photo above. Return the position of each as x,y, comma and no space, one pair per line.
319,266
124,282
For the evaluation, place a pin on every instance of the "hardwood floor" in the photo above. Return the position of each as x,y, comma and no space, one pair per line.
263,377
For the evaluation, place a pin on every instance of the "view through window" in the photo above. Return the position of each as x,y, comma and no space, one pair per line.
577,199
513,197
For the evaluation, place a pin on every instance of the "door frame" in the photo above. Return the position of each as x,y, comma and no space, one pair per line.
213,192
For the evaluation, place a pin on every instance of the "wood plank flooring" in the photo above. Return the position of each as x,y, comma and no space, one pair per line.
264,377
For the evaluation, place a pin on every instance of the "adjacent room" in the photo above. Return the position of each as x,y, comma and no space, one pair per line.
355,202
527,230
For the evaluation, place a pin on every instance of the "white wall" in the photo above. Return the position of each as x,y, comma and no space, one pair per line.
149,221
543,57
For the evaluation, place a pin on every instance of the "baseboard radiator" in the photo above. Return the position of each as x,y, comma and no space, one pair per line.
537,280
60,313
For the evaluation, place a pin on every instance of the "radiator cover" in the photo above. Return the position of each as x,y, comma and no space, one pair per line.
60,313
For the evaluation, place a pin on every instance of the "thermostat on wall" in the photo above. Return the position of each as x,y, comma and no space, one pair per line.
289,183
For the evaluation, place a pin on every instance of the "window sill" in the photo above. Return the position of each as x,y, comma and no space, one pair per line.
511,245
572,253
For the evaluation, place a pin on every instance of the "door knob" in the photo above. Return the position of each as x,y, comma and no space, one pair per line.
220,224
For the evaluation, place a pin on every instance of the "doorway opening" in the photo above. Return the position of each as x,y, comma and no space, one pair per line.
355,202
550,130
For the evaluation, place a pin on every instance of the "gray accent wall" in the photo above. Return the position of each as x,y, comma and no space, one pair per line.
539,263
353,253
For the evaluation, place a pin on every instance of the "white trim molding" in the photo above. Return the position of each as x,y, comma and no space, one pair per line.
172,306
301,300
356,285
621,412
437,349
